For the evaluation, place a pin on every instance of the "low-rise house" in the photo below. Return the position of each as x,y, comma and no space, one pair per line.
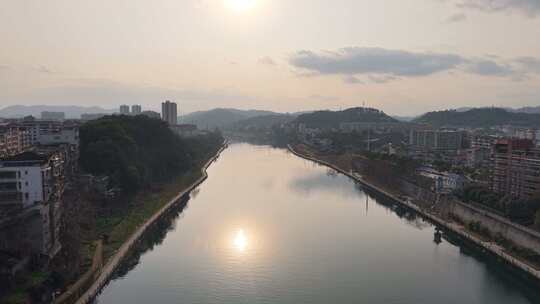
444,182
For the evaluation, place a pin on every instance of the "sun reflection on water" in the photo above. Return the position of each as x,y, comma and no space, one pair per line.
240,241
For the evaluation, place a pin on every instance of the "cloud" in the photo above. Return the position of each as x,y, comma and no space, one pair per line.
43,69
379,65
529,63
382,79
459,17
530,8
490,68
352,80
361,60
267,60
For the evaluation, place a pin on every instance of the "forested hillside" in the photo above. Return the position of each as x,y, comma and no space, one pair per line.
484,117
328,119
136,151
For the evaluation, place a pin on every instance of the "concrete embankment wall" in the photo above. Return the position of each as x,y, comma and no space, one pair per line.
114,262
497,225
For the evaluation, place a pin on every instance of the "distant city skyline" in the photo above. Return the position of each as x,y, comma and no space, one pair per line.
405,57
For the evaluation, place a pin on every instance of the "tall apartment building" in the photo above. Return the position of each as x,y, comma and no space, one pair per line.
436,139
516,168
169,113
136,110
124,109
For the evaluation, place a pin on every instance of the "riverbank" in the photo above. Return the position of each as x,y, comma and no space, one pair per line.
103,276
455,228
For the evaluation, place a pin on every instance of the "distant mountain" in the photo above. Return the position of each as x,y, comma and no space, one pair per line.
332,119
404,118
264,121
480,117
219,118
528,110
71,111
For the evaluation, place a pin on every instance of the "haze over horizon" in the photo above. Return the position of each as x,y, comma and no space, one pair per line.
405,57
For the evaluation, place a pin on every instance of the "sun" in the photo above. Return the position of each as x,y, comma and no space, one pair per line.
240,6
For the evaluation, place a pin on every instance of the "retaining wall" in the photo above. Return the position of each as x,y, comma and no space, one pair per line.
519,235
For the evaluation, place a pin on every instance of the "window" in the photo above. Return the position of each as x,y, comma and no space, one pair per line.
25,172
26,195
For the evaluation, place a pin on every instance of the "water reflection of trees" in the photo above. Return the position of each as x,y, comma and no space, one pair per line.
152,237
410,217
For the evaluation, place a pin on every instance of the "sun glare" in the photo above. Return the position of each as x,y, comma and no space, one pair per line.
240,241
240,6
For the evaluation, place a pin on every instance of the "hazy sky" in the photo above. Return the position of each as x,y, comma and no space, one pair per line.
402,56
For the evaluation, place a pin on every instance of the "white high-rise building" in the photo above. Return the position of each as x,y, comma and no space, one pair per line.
124,109
136,110
169,113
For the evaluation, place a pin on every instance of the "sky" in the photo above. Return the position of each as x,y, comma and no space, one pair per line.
404,57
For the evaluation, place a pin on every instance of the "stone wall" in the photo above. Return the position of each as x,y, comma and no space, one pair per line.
497,225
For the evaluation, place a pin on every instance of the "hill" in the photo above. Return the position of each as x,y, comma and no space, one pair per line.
220,118
332,119
480,117
71,111
136,150
264,121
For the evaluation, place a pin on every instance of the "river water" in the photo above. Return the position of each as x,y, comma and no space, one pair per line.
269,227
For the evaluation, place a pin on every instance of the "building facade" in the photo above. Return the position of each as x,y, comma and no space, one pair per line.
516,168
436,139
169,112
124,110
31,188
136,110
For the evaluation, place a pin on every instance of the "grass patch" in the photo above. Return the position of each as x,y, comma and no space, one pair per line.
120,227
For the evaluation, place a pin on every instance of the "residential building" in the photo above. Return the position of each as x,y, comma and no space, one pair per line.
53,115
66,135
444,182
124,110
437,139
516,168
136,110
169,112
11,141
483,141
35,128
31,188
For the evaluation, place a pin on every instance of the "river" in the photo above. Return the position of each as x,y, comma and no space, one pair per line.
269,227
